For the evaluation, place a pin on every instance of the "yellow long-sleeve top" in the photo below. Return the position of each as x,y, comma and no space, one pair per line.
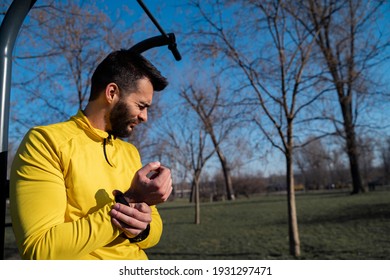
61,186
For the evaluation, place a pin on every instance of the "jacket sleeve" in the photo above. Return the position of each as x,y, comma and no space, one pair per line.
38,206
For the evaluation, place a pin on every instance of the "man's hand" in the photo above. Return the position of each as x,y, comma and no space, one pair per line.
132,219
151,184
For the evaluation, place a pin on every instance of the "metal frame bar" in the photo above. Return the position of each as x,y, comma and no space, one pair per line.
9,31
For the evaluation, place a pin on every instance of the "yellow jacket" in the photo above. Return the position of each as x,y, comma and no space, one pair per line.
61,186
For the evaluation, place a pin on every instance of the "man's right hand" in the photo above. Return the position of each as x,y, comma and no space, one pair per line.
151,184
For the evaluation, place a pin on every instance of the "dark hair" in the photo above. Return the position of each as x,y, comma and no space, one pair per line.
125,68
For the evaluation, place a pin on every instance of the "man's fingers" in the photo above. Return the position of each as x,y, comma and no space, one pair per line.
162,185
129,231
151,188
163,177
134,212
132,219
149,168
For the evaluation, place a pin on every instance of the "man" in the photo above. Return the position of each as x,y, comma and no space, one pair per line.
66,177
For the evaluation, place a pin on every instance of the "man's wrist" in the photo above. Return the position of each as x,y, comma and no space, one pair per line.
140,237
132,196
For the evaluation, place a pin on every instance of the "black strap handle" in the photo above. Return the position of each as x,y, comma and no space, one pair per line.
157,41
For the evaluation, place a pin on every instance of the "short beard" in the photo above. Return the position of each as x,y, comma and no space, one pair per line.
119,121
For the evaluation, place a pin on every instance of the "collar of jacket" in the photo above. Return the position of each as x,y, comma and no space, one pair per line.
94,133
84,123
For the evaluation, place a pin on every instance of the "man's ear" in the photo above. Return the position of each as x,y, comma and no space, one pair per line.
112,92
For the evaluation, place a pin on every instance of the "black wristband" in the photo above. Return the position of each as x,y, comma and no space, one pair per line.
120,198
142,236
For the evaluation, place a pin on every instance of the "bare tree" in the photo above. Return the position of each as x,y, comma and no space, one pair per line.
185,145
345,34
216,121
274,71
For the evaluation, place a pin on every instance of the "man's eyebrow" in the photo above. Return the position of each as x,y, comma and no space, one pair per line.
144,103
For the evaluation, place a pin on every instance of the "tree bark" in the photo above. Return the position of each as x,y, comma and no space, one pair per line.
225,168
197,200
294,239
351,148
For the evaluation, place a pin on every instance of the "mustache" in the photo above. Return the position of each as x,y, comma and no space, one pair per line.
133,121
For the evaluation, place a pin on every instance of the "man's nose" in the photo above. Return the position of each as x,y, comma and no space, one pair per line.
143,115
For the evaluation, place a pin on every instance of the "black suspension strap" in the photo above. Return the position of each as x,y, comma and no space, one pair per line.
165,39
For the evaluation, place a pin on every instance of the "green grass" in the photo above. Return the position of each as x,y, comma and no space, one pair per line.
332,225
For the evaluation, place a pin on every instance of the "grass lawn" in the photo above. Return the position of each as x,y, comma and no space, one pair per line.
332,225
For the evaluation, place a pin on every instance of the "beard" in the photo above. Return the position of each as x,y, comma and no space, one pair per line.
120,122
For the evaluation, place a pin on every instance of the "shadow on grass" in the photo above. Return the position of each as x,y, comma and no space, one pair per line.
264,199
352,213
208,256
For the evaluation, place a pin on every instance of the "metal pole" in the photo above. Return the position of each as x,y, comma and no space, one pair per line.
9,31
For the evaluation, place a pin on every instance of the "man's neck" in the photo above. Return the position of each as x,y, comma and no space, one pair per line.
96,115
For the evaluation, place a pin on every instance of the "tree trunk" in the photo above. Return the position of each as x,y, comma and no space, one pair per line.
295,246
226,174
225,167
196,196
292,211
192,194
351,148
197,202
